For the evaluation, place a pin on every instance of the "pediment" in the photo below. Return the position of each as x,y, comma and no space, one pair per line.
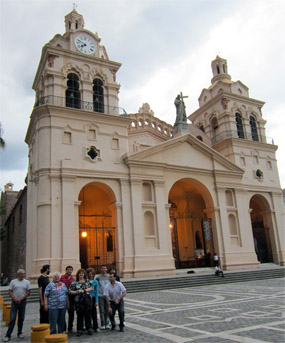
184,151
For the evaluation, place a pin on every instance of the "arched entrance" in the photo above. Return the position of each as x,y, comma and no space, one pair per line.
97,223
261,224
190,225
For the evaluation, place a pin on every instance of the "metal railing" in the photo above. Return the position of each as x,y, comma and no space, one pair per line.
247,136
79,104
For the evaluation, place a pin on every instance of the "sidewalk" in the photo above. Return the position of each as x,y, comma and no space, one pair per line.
247,312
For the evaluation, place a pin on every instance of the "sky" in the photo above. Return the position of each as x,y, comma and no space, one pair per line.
165,47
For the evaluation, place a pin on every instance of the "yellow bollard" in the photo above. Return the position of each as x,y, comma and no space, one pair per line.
39,332
1,301
56,338
5,304
7,314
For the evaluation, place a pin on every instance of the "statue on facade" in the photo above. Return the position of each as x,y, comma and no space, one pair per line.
180,109
180,126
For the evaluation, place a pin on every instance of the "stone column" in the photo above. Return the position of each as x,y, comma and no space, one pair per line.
126,229
69,239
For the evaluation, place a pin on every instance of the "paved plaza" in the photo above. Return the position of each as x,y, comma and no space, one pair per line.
247,312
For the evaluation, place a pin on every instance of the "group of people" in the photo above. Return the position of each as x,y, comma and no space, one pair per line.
81,294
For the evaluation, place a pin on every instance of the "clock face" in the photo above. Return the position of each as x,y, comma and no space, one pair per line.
85,44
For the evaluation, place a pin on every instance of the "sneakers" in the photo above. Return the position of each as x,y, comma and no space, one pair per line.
107,327
89,332
122,329
20,335
6,339
102,328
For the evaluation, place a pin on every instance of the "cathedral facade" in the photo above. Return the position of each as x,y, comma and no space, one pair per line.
107,187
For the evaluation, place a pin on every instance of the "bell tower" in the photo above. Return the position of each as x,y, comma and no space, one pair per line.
234,123
76,136
74,21
220,70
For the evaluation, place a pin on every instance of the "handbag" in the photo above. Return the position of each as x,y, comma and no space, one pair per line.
82,302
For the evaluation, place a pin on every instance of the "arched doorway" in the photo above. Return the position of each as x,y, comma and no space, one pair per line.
97,224
261,228
191,227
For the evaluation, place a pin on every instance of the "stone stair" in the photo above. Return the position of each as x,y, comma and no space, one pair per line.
181,281
192,280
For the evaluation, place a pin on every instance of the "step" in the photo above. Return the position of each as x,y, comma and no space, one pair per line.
182,281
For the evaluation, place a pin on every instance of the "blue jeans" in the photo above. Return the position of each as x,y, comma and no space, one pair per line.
20,309
56,317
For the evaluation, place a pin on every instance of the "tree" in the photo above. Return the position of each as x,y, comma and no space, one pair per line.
2,142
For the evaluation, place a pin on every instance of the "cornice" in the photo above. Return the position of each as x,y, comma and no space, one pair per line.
70,54
244,143
77,114
221,95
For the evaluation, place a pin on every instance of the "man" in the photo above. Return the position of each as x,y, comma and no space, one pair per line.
218,271
19,290
103,280
43,281
114,293
67,279
216,260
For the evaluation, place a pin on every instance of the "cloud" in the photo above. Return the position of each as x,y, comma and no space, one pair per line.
165,46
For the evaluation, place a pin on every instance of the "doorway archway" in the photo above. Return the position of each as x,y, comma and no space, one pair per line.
261,228
191,224
97,226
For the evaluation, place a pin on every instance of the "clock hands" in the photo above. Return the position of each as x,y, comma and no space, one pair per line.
84,44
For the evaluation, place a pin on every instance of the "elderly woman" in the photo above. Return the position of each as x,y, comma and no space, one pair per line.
81,288
56,302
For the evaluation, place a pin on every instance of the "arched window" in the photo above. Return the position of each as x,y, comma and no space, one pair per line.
98,95
218,69
240,132
253,128
72,93
214,123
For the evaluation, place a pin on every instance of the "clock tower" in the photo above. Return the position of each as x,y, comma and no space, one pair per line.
76,136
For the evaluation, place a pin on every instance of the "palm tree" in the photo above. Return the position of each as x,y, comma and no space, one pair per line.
2,142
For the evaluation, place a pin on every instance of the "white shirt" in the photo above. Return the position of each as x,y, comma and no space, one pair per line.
114,292
19,288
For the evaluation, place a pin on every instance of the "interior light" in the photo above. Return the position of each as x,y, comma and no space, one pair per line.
84,234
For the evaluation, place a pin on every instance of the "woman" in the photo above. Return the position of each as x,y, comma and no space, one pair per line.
56,302
81,288
43,281
94,297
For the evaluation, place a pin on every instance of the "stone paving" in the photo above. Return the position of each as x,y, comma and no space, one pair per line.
247,312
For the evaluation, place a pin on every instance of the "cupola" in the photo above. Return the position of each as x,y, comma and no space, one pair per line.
73,21
220,69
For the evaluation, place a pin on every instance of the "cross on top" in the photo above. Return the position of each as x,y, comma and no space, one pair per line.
74,6
183,96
